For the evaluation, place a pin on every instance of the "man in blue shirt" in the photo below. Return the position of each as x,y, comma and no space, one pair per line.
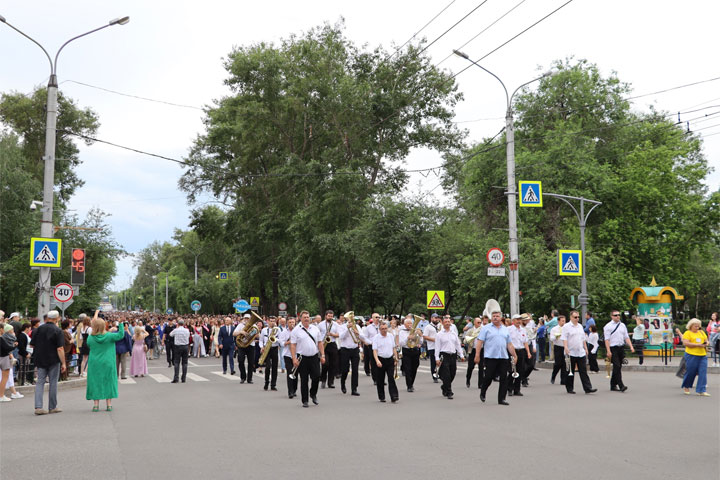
589,322
495,339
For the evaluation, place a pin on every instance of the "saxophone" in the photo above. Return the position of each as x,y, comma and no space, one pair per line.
268,345
414,337
328,329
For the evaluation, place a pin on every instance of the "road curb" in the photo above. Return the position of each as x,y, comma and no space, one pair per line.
73,383
639,368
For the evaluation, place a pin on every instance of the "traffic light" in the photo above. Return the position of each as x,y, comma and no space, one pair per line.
77,267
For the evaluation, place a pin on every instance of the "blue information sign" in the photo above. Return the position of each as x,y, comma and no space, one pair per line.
242,306
195,305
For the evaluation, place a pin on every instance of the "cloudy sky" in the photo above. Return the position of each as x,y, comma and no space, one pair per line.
172,51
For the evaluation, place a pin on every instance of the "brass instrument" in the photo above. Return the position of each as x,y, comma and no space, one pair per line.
414,337
436,375
249,333
272,338
396,369
293,374
515,373
327,338
352,327
470,339
568,366
608,368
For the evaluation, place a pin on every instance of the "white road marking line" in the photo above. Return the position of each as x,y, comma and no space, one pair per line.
127,381
197,378
226,376
159,378
192,364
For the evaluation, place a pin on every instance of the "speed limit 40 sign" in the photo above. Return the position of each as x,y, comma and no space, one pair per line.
495,257
63,292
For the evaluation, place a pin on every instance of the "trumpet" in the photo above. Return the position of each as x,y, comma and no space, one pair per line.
568,366
293,374
436,375
266,349
515,373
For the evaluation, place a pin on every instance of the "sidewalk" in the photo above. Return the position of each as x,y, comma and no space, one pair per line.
74,382
650,364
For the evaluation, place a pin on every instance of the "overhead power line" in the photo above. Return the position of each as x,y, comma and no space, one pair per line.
133,96
419,31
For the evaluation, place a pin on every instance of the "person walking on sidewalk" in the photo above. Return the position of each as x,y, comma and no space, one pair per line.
48,344
696,343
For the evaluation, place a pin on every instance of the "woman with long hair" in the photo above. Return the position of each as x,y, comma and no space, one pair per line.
85,332
102,381
138,360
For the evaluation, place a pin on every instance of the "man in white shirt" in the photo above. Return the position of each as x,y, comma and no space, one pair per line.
246,352
410,356
349,356
181,336
574,345
429,336
370,330
470,336
638,337
558,348
447,350
328,328
284,341
305,340
616,337
518,337
531,331
385,358
271,361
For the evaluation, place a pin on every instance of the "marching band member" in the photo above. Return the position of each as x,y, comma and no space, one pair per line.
616,336
385,356
558,349
531,331
473,333
305,340
330,367
245,352
574,345
429,335
518,337
371,329
494,339
271,361
447,349
410,356
284,341
349,357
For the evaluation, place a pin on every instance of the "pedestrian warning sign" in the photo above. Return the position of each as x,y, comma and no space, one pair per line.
254,301
530,194
435,299
570,263
45,252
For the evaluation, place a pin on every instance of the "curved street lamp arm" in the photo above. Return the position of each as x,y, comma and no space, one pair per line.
52,70
75,38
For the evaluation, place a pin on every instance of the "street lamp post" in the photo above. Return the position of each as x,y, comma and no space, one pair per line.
46,227
196,257
166,286
154,282
512,208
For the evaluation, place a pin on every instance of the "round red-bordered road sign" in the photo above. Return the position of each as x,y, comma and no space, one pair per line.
63,292
495,257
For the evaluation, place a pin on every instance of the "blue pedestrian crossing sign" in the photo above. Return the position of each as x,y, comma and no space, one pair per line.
570,263
530,194
169,311
223,276
45,252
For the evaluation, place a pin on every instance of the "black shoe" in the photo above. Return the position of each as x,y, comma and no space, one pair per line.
482,398
394,400
435,380
343,389
525,384
250,381
552,381
314,400
305,405
449,396
592,390
467,384
331,386
274,389
510,394
382,400
518,394
174,381
290,396
614,389
224,373
265,387
562,383
444,394
183,380
503,402
572,392
322,385
355,394
232,373
242,380
623,388
411,389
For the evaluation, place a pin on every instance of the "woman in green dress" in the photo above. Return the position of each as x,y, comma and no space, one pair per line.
102,382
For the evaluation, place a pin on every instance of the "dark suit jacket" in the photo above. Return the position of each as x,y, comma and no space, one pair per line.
225,338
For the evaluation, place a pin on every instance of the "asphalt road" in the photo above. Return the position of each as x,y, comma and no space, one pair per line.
214,427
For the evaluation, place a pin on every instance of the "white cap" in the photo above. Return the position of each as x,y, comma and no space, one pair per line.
247,315
515,317
53,314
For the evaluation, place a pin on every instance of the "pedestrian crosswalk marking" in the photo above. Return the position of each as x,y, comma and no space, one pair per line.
160,378
127,381
226,376
197,378
570,265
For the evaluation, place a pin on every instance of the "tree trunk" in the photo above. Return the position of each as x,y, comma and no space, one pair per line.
467,308
350,286
275,287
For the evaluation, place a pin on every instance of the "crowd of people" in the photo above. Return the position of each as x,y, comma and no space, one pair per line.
315,351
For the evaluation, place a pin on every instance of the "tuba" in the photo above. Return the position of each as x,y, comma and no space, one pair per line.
249,333
272,338
352,327
470,339
491,306
414,338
